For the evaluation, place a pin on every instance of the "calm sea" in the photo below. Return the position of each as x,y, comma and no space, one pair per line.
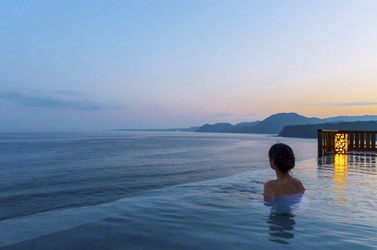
146,190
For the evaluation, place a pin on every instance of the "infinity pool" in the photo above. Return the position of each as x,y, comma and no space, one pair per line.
338,211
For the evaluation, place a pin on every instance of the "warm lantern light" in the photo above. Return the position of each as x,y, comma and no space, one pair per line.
341,143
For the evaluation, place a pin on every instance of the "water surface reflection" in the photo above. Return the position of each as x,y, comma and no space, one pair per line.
340,178
281,227
281,220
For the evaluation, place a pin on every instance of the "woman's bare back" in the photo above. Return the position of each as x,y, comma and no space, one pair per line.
284,186
287,186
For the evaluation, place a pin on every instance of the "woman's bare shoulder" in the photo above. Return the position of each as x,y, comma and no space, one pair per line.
269,190
298,183
270,183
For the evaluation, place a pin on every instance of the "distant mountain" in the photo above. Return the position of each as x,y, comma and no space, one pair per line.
218,127
275,123
350,118
244,127
227,127
246,124
310,131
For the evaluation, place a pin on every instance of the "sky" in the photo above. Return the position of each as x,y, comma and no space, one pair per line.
99,65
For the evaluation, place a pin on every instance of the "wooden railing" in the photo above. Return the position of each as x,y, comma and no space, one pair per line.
346,142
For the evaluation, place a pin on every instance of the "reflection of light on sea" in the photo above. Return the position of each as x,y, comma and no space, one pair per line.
340,178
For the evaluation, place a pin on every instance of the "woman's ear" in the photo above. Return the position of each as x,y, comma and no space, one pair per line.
272,163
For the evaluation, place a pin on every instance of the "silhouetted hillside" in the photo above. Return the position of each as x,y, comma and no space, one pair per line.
227,127
310,131
275,123
218,127
244,127
350,118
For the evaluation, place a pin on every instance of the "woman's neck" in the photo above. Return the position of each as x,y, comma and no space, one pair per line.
280,175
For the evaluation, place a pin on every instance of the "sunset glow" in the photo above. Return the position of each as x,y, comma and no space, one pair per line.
163,64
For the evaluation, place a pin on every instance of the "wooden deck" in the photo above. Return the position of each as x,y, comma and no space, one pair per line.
346,142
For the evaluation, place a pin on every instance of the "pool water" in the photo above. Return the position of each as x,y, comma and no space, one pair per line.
178,191
338,211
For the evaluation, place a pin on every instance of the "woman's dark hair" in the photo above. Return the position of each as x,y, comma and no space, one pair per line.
283,157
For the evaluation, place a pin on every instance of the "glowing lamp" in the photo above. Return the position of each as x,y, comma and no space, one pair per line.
341,143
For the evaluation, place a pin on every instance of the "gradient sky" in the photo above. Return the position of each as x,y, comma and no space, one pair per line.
85,65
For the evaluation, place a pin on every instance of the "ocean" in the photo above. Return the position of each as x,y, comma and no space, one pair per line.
175,190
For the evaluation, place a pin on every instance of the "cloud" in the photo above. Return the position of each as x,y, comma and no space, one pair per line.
342,104
66,92
41,101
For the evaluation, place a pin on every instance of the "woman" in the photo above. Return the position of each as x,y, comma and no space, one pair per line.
282,160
